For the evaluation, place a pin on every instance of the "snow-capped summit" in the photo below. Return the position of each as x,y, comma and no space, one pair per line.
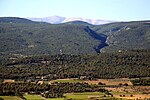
59,19
91,21
51,19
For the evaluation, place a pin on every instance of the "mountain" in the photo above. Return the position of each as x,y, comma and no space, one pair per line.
14,20
44,38
126,35
23,36
94,22
59,19
78,23
52,19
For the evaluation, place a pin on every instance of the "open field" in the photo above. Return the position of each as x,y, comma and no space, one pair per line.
66,80
34,97
131,96
130,89
121,92
10,97
54,98
105,81
29,97
86,96
130,92
111,81
100,96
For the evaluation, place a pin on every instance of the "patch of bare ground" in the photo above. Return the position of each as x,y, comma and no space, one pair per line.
130,92
133,96
130,89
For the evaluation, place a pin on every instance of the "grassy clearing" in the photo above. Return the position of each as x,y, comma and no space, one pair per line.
68,80
85,95
88,93
54,98
77,97
33,97
110,82
10,97
121,93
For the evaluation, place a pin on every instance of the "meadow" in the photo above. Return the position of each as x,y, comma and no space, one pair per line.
34,97
10,98
67,80
86,96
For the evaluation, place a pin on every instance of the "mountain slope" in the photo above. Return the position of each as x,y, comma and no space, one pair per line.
43,38
14,20
24,36
126,35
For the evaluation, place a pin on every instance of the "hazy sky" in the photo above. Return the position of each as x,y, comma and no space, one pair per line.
120,10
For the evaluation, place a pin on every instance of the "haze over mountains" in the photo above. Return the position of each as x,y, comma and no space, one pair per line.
59,19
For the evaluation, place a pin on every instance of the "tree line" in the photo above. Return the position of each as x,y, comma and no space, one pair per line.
49,91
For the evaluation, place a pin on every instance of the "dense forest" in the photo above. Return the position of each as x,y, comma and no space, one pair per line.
135,63
43,38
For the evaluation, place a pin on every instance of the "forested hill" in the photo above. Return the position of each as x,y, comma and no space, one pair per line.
125,35
23,36
15,20
43,38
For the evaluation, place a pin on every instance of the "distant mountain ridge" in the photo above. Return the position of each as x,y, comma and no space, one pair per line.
59,19
14,20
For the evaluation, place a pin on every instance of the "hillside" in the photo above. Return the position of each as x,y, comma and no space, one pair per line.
125,35
14,20
23,36
44,38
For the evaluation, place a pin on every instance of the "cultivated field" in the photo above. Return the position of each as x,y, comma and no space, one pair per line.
86,96
10,98
111,81
105,81
115,86
70,80
54,99
131,96
34,97
120,92
102,96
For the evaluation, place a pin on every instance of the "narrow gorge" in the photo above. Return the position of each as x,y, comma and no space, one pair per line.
101,37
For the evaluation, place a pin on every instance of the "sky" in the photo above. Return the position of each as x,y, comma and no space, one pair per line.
118,10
